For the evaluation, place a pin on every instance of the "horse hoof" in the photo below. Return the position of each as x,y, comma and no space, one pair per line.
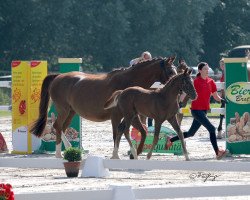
131,156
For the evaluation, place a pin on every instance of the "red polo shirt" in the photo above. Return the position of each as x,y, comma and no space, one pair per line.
204,89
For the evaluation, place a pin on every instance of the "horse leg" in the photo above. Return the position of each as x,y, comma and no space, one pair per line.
58,125
219,129
136,123
117,144
179,118
175,125
132,148
156,138
121,129
115,121
66,124
219,135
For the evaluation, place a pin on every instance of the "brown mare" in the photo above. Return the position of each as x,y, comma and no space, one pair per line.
85,94
160,104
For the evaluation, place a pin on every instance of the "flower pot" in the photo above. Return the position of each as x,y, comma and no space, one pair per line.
72,168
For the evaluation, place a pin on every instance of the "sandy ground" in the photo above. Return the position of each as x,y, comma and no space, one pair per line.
97,139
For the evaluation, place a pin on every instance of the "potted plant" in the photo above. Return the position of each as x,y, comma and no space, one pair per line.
74,157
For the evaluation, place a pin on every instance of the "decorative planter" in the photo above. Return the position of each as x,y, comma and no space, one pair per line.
72,168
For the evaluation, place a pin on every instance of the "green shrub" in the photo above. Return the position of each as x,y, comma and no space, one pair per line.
73,154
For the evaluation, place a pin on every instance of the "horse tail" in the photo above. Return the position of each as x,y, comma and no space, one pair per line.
39,125
113,100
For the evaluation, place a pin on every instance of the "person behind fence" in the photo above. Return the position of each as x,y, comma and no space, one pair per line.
205,87
222,79
144,57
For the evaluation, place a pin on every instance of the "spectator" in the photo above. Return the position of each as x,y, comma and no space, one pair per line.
144,57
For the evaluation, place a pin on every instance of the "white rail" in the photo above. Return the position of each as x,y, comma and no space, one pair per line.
6,84
55,163
125,192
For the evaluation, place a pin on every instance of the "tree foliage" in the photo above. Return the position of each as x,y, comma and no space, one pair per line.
109,33
224,28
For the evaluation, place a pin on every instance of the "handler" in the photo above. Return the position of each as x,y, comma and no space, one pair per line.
205,87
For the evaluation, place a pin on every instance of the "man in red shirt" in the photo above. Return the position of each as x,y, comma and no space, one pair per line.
205,87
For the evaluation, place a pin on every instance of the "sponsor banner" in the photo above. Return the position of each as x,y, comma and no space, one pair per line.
239,92
165,132
27,78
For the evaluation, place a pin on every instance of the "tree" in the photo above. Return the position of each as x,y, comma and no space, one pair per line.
224,28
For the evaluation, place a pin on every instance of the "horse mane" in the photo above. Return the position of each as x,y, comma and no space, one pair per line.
116,70
120,70
146,62
171,80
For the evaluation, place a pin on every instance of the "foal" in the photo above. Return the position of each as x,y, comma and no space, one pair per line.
160,104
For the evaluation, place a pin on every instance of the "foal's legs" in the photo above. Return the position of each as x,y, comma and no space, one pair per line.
136,123
123,127
132,149
175,125
156,138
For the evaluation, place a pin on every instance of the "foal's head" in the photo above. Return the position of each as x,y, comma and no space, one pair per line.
187,84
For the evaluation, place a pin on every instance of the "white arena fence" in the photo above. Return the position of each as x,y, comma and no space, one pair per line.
127,193
123,192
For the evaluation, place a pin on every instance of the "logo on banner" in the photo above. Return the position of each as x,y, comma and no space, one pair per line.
239,92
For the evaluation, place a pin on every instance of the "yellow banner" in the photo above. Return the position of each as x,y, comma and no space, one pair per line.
27,78
19,94
38,71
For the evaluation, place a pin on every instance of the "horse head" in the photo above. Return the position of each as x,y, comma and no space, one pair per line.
168,69
187,84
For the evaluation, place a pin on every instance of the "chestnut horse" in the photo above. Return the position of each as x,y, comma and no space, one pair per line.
160,104
85,94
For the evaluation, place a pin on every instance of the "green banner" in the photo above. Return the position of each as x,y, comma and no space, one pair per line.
237,110
165,132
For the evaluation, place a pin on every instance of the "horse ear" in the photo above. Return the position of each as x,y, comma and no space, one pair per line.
168,59
173,58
